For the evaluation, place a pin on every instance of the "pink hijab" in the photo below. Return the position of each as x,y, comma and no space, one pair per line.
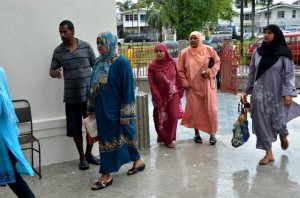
164,63
198,55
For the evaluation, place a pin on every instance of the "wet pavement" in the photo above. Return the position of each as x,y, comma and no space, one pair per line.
189,170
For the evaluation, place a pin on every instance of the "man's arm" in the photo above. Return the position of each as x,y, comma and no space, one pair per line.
55,68
57,73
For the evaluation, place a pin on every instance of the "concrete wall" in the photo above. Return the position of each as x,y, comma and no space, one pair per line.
28,36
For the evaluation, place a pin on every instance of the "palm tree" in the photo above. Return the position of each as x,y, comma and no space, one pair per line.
154,21
125,5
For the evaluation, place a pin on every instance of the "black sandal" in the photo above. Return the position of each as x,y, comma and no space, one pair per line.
212,140
101,184
134,170
198,139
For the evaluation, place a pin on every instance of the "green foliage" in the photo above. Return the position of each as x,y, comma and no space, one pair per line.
186,16
129,5
124,5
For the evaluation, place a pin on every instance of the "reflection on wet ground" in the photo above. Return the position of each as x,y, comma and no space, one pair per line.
190,170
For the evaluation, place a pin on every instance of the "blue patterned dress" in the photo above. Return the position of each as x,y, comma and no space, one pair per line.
112,97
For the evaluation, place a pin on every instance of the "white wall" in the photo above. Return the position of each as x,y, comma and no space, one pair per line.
28,36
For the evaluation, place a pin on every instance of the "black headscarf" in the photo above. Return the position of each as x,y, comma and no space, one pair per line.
271,52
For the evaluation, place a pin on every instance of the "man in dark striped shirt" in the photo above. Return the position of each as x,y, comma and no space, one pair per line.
73,59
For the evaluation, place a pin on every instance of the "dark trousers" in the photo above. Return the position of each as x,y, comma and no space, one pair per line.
20,187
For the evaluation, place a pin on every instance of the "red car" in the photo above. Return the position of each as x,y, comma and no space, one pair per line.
292,40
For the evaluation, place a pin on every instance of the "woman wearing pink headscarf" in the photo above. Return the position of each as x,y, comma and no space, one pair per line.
166,90
199,83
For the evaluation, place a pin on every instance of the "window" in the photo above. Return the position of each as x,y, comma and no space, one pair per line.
266,15
128,17
135,17
294,14
247,17
142,18
280,14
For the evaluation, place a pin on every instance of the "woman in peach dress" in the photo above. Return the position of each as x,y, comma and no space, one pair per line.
199,83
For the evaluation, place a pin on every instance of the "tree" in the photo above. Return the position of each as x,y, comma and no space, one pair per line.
186,16
154,21
125,5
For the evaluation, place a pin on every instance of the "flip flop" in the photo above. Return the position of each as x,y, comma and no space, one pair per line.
83,165
94,160
172,145
134,170
198,139
213,140
265,160
101,184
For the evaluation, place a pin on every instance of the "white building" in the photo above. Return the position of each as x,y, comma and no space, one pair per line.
281,14
135,20
29,34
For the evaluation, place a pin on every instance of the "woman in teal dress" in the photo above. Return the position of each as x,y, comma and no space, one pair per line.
12,161
112,101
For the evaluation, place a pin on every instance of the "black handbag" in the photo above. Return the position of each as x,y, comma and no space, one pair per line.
211,62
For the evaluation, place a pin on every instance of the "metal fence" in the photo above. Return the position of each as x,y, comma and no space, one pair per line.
144,55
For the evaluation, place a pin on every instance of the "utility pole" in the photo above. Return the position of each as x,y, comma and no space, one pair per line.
268,12
242,22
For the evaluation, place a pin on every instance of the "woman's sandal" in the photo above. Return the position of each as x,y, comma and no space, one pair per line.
212,140
101,184
284,142
265,160
172,145
198,139
134,170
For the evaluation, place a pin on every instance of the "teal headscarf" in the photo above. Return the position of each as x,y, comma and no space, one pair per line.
101,67
5,100
111,43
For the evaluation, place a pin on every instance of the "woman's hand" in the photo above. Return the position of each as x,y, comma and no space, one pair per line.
187,87
124,121
244,97
205,74
287,101
90,114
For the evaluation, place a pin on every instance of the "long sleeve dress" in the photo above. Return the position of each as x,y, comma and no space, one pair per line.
166,90
268,113
201,99
111,100
9,138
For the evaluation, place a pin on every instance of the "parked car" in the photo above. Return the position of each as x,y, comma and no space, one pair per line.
292,40
137,37
173,47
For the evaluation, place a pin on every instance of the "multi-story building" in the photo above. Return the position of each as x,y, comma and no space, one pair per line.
282,14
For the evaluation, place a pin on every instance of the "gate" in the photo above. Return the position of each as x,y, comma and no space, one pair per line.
229,65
